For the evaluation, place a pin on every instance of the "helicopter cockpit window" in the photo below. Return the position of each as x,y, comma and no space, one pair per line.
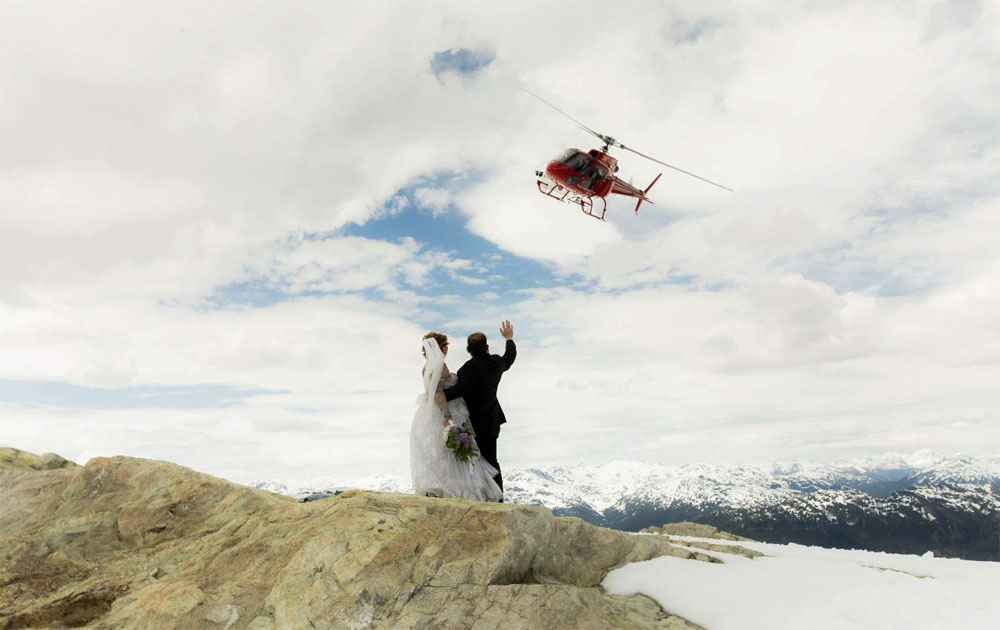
575,160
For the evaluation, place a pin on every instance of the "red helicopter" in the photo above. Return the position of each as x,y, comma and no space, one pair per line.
579,177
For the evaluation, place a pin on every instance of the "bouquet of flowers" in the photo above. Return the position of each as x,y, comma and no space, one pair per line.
461,441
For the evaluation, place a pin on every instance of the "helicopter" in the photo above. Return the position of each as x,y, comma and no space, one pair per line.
581,177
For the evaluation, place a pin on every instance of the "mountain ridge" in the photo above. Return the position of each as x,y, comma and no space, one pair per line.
906,503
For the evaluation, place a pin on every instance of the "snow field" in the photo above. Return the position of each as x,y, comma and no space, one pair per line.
797,587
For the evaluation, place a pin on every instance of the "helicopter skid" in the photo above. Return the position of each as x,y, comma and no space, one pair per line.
560,193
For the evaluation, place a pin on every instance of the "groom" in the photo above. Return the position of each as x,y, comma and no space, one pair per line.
477,383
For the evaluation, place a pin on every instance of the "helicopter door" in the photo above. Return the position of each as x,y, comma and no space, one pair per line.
592,174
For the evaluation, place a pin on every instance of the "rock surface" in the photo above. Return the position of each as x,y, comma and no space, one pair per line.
129,543
13,459
698,530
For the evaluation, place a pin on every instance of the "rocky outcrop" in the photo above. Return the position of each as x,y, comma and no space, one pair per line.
698,530
13,459
129,543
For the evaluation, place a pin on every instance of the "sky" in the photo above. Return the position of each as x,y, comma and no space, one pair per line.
224,229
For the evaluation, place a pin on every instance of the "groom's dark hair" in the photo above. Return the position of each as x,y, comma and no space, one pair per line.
477,344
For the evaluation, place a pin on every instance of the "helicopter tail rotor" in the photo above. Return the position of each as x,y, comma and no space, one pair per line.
643,197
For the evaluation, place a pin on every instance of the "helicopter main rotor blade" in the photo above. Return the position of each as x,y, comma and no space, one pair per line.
578,123
676,168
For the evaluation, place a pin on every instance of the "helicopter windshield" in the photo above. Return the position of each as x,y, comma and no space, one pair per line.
574,159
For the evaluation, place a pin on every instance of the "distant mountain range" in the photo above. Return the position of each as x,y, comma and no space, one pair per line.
898,503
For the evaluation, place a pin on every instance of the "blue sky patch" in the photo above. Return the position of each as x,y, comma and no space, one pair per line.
462,61
691,31
64,395
422,214
497,276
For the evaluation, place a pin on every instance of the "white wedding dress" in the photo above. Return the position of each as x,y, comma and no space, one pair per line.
433,466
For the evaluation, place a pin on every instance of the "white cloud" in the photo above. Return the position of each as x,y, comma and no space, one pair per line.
843,299
333,264
436,199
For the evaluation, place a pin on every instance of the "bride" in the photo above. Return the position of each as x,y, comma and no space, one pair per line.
434,468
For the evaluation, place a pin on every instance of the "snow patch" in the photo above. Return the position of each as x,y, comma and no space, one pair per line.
796,587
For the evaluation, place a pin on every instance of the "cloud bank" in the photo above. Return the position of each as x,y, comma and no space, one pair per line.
185,190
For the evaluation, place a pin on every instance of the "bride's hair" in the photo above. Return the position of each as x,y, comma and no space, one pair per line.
442,339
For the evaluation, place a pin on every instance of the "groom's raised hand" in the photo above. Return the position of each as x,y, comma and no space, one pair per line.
507,329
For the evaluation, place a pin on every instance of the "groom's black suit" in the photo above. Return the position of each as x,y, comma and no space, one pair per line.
477,384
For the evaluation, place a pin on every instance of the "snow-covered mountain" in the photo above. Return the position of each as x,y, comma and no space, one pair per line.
901,503
610,486
322,488
904,504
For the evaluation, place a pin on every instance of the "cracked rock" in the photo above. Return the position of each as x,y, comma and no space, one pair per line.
85,545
